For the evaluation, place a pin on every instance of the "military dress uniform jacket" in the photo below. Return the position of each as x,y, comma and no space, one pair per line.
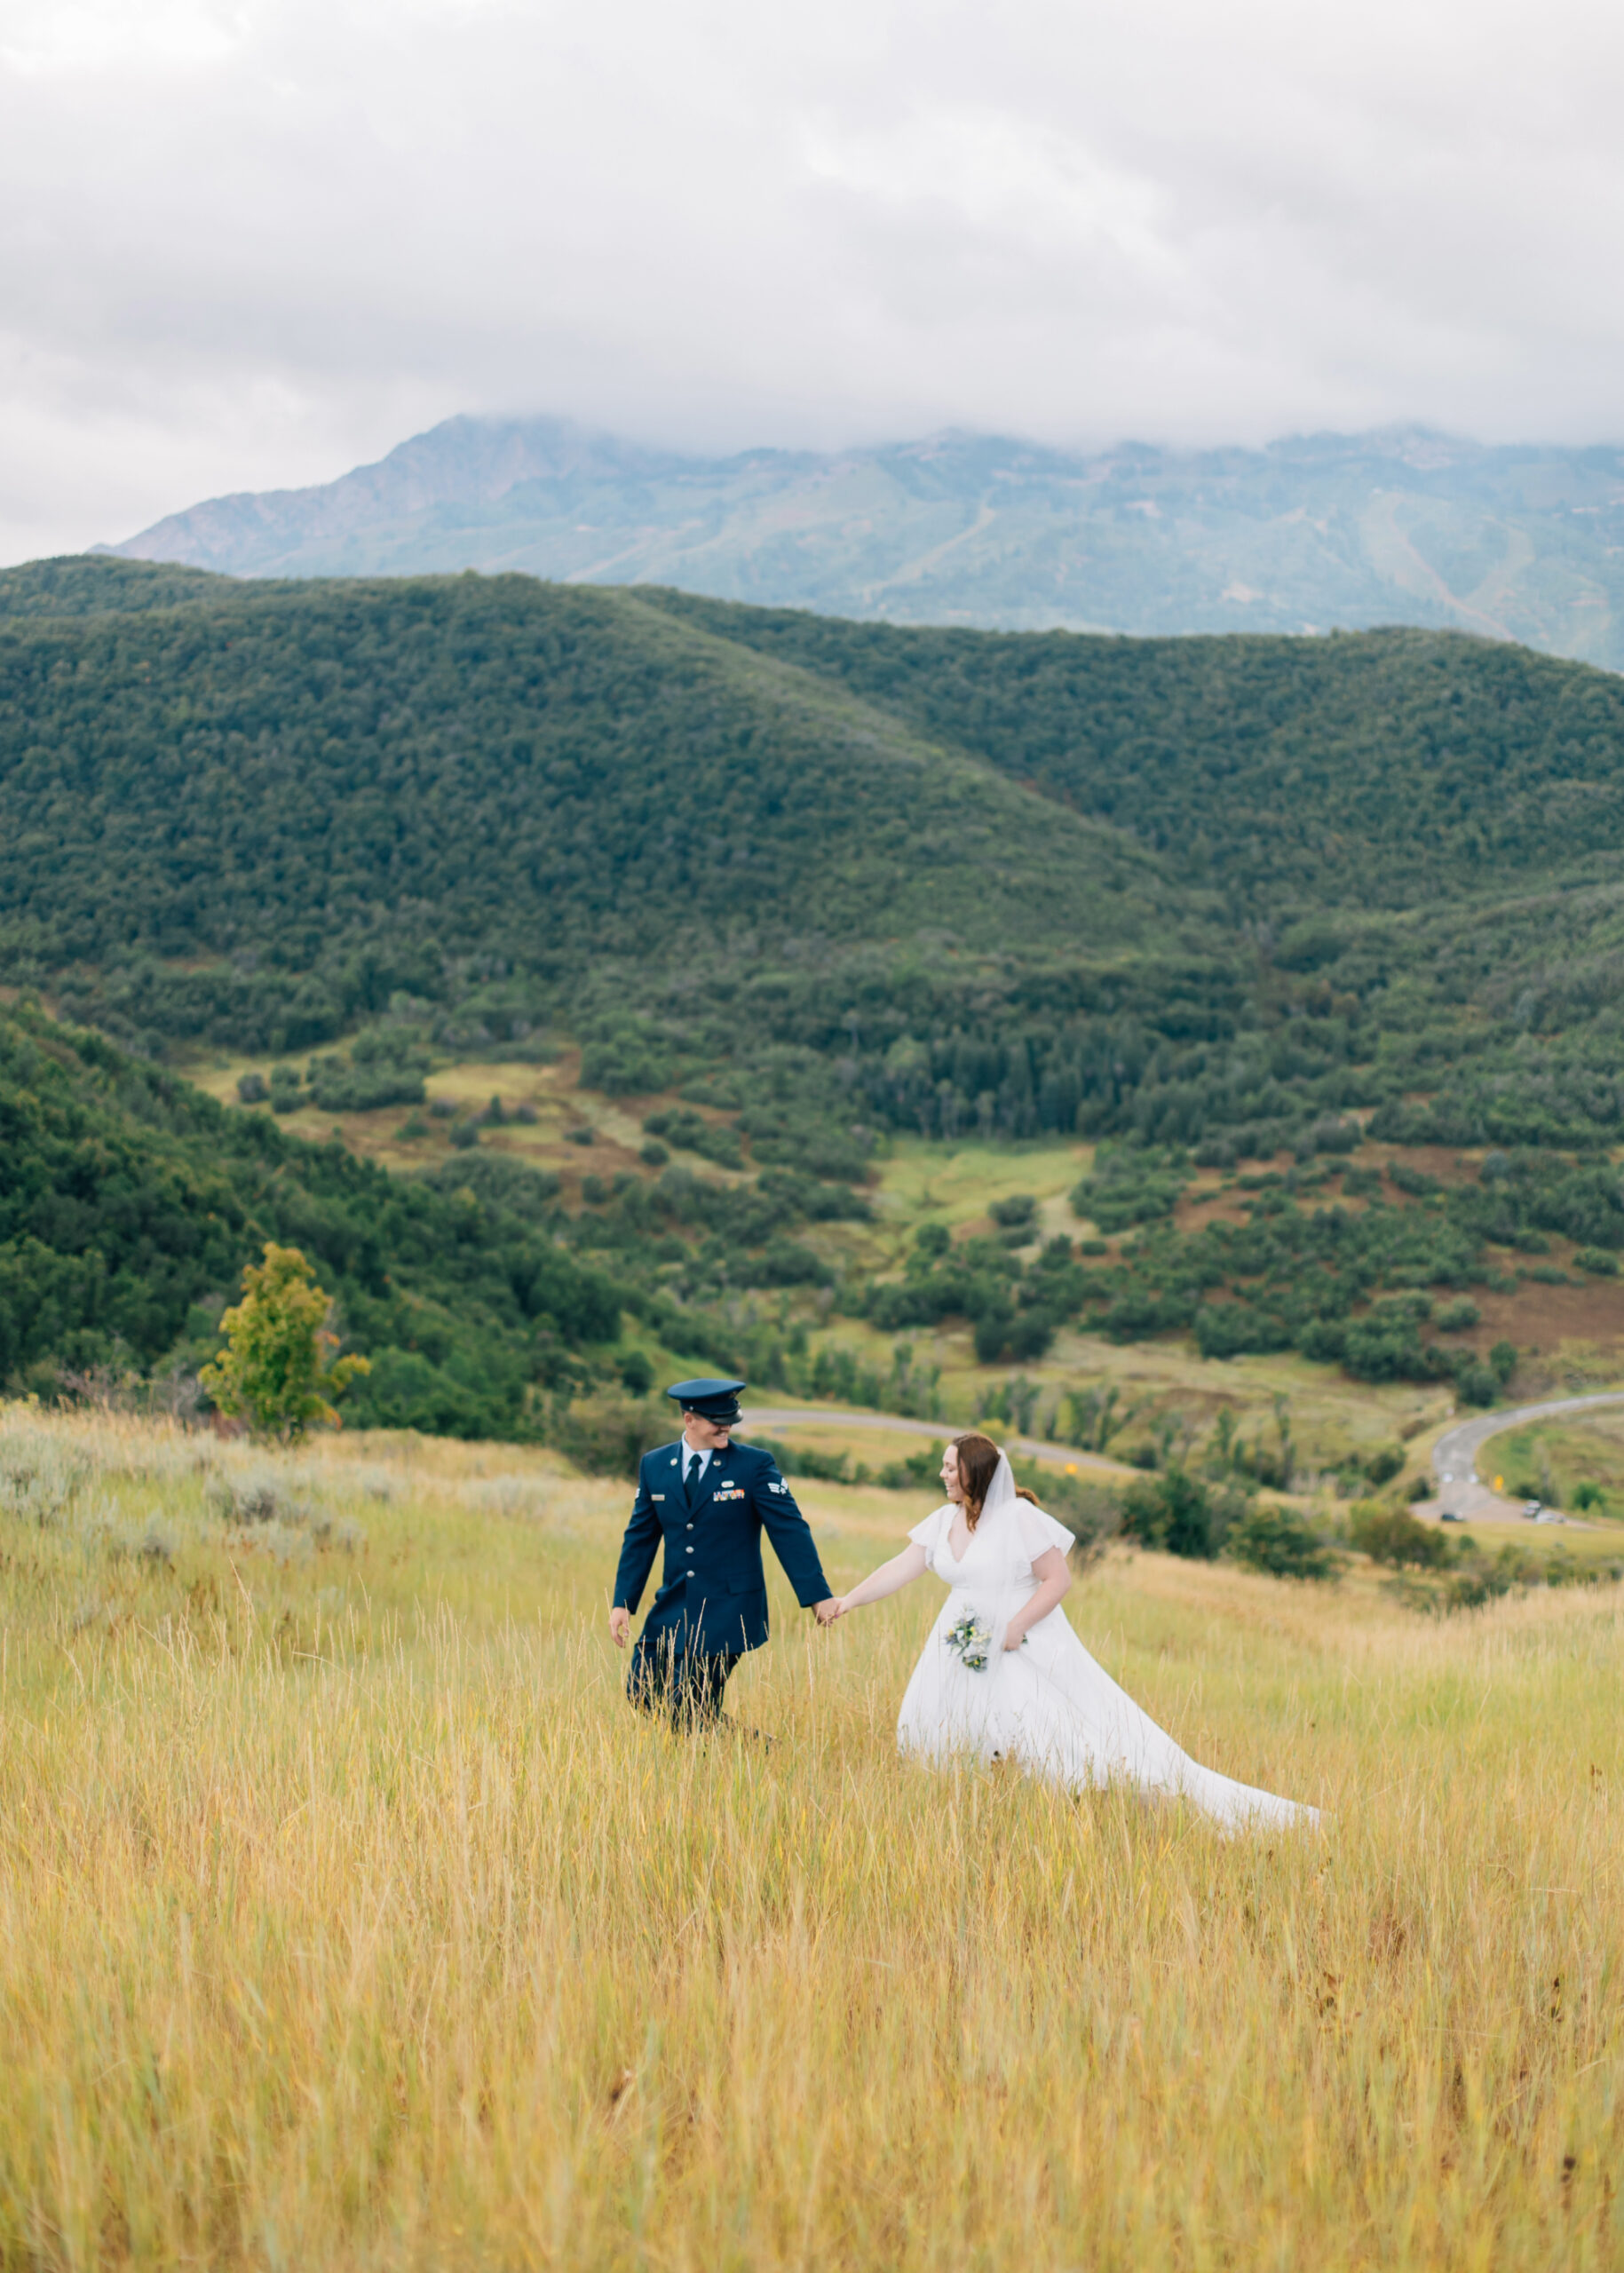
714,1581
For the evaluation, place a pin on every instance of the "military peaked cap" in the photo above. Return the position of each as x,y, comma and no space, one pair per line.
711,1400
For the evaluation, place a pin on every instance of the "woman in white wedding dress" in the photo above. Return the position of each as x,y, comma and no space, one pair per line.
1004,1676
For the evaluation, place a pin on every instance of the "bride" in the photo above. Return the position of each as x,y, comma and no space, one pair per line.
1005,1676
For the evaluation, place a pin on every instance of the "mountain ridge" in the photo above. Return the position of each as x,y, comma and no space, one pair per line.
1311,532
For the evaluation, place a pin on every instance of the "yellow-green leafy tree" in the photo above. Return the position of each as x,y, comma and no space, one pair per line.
277,1366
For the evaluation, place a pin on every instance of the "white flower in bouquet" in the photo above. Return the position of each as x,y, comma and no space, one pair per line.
971,1642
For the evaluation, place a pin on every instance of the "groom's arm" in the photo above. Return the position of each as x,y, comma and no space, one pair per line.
639,1549
792,1541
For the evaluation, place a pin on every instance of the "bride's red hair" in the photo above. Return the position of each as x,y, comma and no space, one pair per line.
978,1457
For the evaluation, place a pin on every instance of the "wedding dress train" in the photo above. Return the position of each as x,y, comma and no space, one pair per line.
1047,1703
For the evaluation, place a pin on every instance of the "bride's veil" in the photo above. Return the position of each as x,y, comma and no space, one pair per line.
1000,1491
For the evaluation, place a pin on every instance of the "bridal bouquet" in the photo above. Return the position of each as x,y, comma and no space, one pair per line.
971,1642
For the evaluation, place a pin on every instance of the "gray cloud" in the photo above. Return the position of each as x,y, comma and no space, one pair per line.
248,243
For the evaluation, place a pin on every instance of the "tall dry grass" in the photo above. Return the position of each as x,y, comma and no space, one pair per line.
349,1917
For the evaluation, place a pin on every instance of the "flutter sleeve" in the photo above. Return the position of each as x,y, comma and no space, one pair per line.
1038,1533
931,1533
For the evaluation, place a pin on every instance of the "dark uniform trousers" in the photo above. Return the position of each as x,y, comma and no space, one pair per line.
713,1605
673,1672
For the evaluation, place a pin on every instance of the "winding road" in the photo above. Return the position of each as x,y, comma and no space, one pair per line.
1455,1453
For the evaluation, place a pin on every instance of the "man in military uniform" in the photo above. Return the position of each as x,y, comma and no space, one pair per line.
710,1499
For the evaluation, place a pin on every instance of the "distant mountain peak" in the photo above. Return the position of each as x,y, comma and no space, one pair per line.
1403,524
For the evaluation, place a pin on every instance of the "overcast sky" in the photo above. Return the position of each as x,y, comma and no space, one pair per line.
248,243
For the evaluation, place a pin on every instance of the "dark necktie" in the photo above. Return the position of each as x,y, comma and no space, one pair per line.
693,1483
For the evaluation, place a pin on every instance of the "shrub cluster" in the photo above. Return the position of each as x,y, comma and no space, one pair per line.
690,1132
1181,1514
1128,1187
1277,1541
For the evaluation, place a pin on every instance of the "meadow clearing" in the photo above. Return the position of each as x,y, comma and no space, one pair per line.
350,1918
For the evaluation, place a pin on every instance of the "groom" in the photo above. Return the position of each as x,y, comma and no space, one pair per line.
710,1499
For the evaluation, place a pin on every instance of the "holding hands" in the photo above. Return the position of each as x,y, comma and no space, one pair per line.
620,1618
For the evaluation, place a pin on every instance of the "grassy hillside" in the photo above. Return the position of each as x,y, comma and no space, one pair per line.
351,1917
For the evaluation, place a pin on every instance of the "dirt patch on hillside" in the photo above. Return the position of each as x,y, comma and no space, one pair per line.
1541,1317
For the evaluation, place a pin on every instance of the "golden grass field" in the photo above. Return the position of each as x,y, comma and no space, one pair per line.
349,1917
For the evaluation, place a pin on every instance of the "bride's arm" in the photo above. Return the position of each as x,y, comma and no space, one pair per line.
1054,1582
900,1571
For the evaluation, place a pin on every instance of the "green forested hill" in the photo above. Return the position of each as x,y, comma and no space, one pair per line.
1292,774
130,1202
374,778
90,584
1190,890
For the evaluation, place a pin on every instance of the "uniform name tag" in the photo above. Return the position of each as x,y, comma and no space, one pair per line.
656,1495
